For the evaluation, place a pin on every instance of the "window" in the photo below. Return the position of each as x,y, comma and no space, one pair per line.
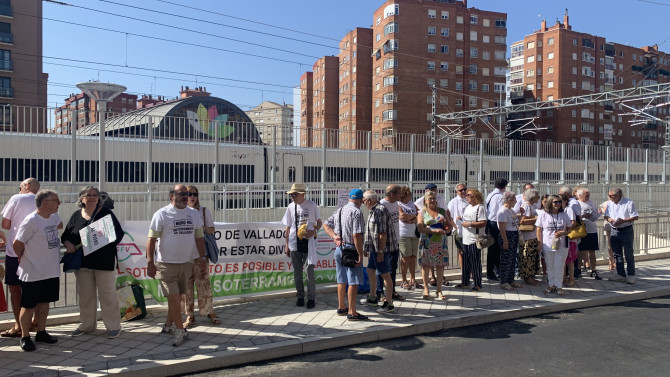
550,55
574,70
389,98
574,85
620,80
473,85
459,85
473,68
432,13
390,80
431,66
474,19
389,115
376,87
574,41
574,56
550,84
485,88
445,14
444,66
499,88
574,127
473,36
500,55
530,73
550,98
500,71
444,31
501,24
444,100
376,103
539,85
486,55
500,39
550,41
459,69
485,71
430,82
390,63
390,10
391,45
391,27
486,39
539,58
473,102
431,47
379,37
486,22
432,30
444,83
459,52
530,87
531,45
458,103
459,36
445,50
473,52
429,100
550,69
459,19
530,59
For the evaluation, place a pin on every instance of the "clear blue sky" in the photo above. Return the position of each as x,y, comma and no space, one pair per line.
294,33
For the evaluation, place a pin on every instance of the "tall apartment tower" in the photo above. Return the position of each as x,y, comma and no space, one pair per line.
22,82
355,88
306,109
558,62
326,97
420,44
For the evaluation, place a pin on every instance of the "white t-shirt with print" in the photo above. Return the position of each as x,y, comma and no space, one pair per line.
407,230
177,227
17,208
507,216
473,214
308,213
41,257
550,223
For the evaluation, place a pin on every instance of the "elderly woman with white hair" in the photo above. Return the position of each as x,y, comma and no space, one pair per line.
589,244
508,223
529,257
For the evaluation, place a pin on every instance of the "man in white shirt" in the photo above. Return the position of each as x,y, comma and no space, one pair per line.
620,213
38,248
456,207
176,238
302,248
15,210
493,203
441,202
520,200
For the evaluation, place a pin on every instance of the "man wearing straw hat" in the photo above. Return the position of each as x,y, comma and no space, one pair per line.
302,221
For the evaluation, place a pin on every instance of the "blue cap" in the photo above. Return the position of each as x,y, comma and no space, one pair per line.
356,194
431,186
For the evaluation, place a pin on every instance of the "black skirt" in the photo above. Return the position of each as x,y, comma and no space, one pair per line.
590,242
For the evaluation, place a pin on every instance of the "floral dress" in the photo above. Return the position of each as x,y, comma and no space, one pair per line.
433,247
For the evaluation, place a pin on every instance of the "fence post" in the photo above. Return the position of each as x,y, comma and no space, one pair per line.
224,204
585,179
273,166
149,167
411,160
511,159
646,238
607,165
323,168
627,179
562,176
247,209
215,173
74,124
447,174
646,166
665,154
537,163
368,172
481,165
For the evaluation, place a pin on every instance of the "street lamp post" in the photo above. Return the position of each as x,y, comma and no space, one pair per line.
101,93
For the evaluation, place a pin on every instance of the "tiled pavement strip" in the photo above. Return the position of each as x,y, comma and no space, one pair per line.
272,328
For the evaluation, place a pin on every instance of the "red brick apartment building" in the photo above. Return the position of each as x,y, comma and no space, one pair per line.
325,99
420,44
306,108
558,62
87,108
22,82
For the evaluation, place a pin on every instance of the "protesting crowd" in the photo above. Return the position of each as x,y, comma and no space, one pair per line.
548,240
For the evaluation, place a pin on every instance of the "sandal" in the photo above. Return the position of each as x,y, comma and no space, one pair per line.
560,292
462,286
446,283
214,319
417,285
433,281
406,285
10,333
426,295
516,285
440,296
190,321
397,296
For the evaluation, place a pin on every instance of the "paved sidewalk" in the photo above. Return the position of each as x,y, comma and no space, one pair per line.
272,328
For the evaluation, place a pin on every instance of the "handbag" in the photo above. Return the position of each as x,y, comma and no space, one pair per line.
211,248
131,302
483,240
579,231
349,256
528,227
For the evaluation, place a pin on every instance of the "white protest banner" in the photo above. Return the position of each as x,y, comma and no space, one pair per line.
97,235
252,259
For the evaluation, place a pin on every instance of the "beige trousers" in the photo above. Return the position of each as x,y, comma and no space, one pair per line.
90,282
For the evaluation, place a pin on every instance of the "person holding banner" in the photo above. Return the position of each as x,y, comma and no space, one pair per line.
345,227
97,275
302,250
199,277
175,236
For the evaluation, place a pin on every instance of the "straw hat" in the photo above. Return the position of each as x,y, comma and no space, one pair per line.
298,188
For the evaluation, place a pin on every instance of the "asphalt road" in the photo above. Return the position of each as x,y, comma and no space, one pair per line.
629,339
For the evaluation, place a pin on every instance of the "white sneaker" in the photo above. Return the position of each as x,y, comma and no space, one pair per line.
630,279
616,277
180,335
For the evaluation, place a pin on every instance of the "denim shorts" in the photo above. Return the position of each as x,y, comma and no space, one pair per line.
347,275
382,267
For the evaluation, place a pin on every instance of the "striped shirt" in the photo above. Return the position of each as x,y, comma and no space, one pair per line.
352,222
380,221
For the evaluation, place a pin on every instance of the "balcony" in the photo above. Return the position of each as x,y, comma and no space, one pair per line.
6,10
608,107
648,138
651,125
610,67
6,65
6,92
6,38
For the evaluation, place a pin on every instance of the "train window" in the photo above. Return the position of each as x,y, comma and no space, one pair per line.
311,173
291,174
